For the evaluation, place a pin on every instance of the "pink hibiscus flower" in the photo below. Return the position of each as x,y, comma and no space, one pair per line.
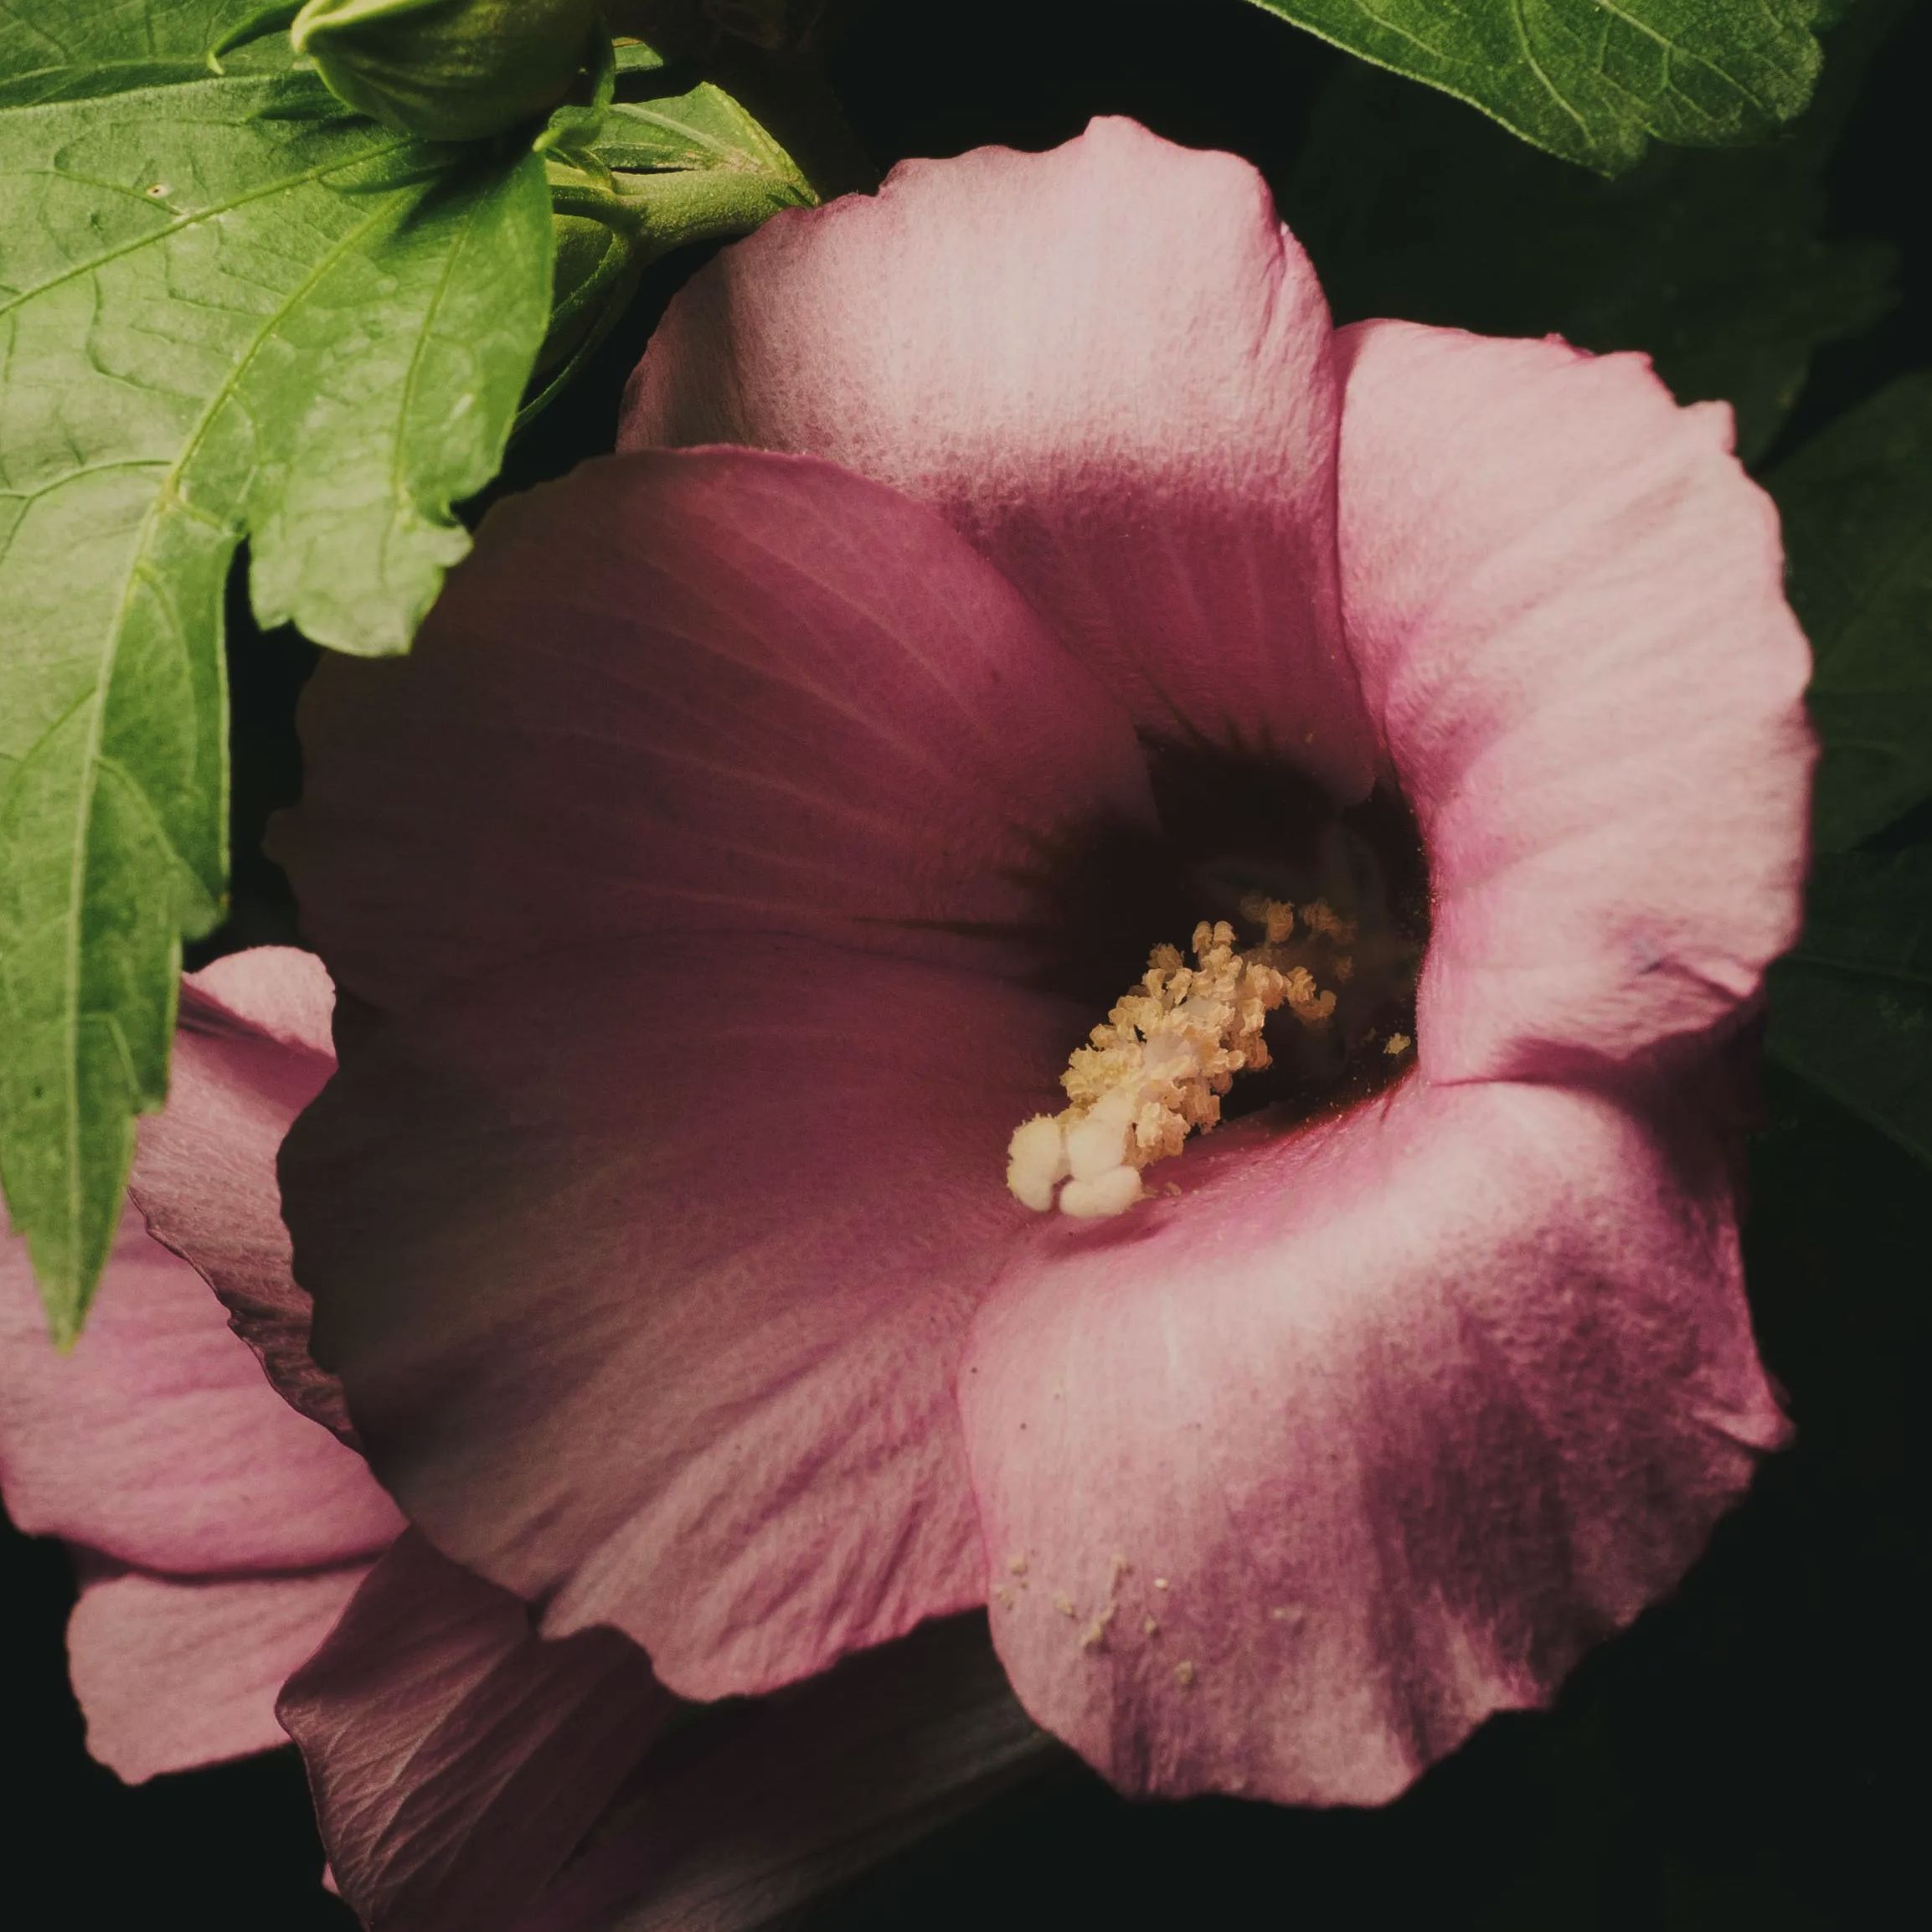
1003,573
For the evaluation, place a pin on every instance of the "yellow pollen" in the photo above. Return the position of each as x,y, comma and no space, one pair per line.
1275,916
1397,1044
1320,917
1155,1070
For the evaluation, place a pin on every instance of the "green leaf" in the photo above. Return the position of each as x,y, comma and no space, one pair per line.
1593,80
228,310
59,49
1852,1008
1856,502
1871,913
1713,263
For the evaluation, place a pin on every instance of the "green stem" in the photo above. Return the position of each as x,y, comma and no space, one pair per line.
675,210
658,213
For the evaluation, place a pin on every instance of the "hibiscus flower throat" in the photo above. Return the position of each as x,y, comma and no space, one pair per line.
1316,993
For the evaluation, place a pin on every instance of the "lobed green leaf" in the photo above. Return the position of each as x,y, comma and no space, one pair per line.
1593,80
57,50
228,310
1714,263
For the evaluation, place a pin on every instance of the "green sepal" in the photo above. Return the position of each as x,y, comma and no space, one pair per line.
658,174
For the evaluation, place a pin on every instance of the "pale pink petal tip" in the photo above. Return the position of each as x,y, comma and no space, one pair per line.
176,1672
279,991
252,1050
158,1442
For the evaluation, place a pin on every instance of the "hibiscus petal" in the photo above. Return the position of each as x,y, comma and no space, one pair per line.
252,1049
750,1811
172,1673
680,694
456,1759
158,1441
1565,600
1288,1484
1110,366
279,992
647,1271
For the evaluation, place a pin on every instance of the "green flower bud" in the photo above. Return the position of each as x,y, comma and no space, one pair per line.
447,69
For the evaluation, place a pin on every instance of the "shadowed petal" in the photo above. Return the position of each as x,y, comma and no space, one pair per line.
174,1673
456,1758
751,1810
1290,1483
251,1050
680,694
1108,365
158,1441
647,1270
1566,602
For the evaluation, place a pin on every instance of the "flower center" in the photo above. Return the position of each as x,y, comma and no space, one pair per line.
1307,1001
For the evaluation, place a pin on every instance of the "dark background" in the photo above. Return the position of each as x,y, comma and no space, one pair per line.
1733,1760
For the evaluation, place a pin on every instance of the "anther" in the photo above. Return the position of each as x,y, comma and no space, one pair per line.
1155,1069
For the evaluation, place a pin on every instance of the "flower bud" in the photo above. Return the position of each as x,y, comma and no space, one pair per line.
447,69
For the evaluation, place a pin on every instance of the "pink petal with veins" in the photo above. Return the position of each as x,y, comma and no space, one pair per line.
158,1441
1369,1436
174,1673
704,692
1110,366
648,1285
1566,601
456,1758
